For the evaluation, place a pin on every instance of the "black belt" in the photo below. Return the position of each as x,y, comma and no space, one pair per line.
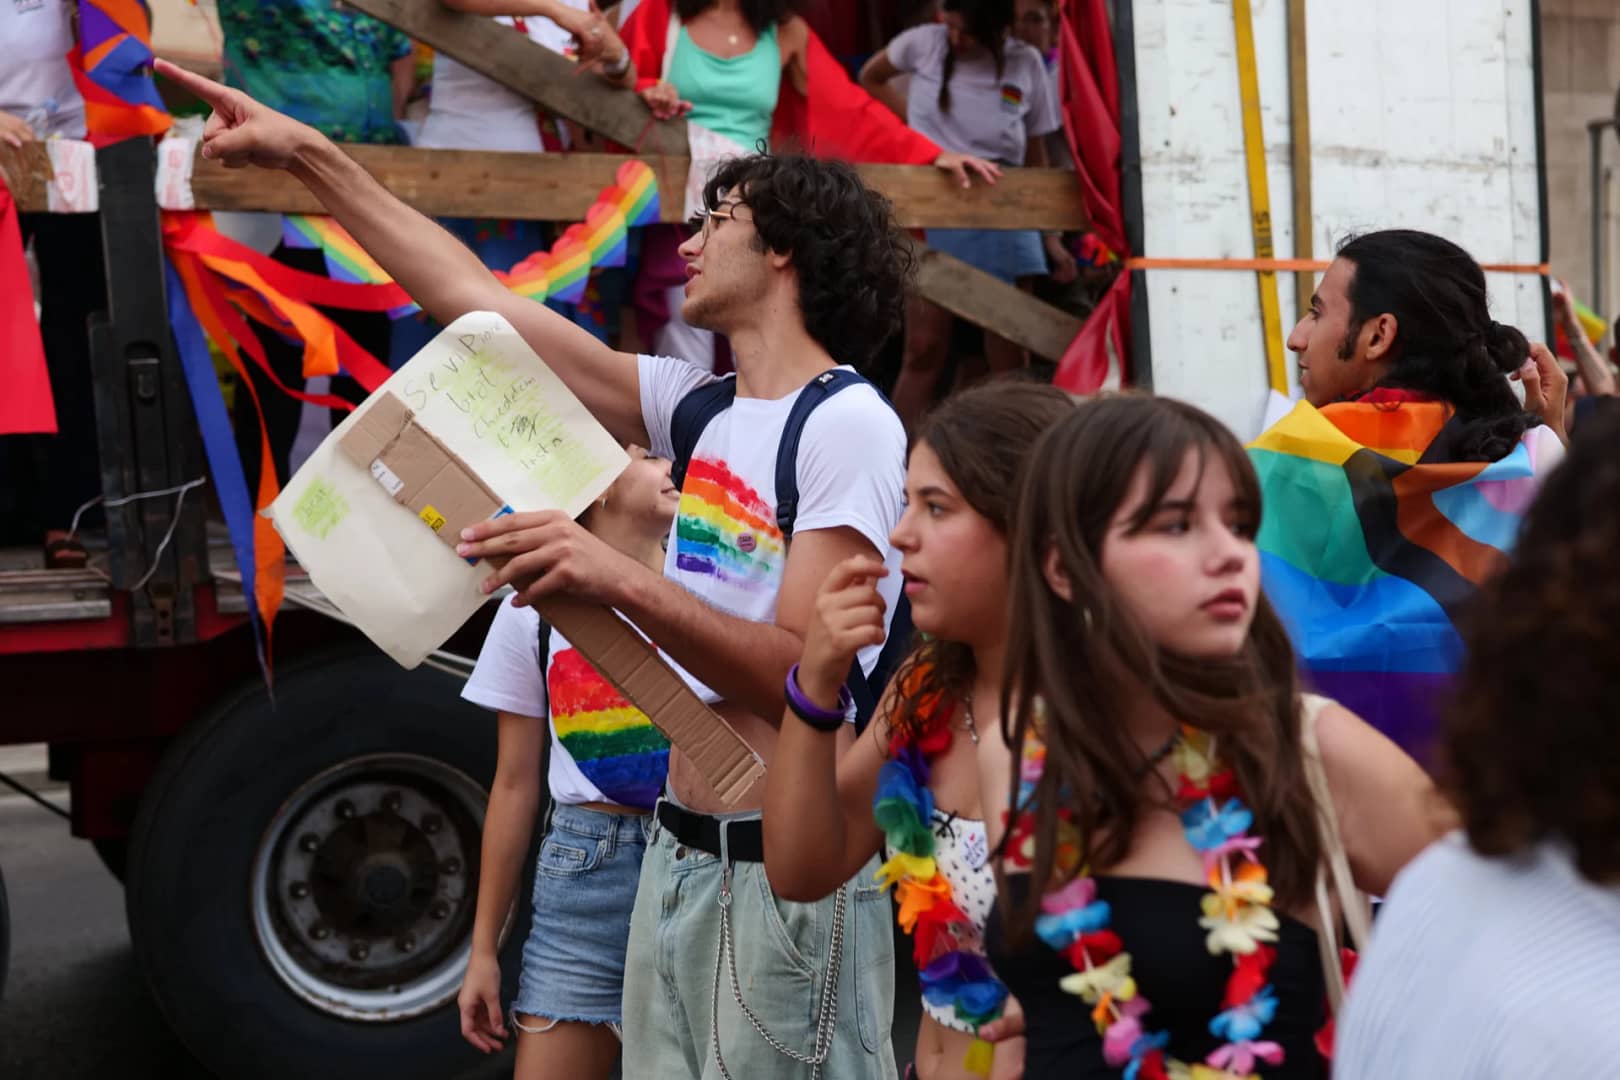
745,840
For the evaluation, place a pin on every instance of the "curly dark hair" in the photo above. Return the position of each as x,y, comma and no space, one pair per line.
854,265
1446,342
760,14
1531,748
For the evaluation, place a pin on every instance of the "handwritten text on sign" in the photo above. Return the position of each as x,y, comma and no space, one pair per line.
528,434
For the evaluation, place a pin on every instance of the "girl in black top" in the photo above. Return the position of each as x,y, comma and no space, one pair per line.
1149,701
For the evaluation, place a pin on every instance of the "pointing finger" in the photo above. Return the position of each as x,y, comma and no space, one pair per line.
208,90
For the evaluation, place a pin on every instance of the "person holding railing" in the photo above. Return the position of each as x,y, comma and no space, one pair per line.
975,90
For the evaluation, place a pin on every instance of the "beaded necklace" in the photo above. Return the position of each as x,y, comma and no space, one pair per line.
1236,913
950,975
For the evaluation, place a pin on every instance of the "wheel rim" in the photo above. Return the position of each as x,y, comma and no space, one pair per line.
364,885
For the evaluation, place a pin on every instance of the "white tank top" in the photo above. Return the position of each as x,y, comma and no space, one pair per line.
962,853
35,81
469,111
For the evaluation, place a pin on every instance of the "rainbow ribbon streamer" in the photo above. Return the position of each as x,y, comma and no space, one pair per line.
1368,552
561,273
112,68
346,260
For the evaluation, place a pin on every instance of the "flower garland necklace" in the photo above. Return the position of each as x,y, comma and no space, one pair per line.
950,975
1236,913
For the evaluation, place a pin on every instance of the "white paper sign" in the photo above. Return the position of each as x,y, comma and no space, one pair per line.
74,189
482,392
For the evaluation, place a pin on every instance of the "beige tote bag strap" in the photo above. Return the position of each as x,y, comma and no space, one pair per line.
1333,876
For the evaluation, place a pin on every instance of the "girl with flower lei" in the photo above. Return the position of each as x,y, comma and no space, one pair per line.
1158,791
909,788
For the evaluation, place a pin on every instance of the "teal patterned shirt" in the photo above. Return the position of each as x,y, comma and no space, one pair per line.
317,61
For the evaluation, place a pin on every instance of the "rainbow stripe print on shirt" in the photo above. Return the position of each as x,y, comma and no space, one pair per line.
1012,96
1371,541
724,530
614,744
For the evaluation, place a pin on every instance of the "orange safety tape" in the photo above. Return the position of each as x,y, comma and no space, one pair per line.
1299,265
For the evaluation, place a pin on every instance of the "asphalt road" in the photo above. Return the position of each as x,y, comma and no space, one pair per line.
75,1006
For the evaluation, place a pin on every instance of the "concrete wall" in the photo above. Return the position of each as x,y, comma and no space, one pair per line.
1581,71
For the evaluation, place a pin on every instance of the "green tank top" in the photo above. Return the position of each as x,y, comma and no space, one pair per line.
736,97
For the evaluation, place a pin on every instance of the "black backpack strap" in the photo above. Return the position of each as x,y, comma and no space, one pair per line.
819,389
692,414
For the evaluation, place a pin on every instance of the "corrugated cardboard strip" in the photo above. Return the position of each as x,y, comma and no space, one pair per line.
424,475
636,670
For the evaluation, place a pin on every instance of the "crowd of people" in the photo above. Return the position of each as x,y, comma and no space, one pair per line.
1026,670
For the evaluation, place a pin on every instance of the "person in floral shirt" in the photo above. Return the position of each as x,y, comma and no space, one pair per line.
343,73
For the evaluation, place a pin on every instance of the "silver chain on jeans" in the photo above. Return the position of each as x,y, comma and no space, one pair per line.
825,1018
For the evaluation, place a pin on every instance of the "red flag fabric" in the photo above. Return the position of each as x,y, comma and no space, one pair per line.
1090,100
837,120
26,405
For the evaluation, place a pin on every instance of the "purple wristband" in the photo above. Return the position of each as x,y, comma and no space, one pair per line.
817,717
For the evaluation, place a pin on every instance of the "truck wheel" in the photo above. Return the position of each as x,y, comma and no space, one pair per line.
303,876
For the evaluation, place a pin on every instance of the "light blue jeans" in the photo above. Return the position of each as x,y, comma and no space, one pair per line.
781,950
584,889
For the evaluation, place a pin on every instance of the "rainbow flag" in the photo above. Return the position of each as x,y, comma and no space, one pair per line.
112,67
346,260
1373,541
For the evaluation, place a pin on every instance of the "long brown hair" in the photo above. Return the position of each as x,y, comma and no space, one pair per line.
982,438
1088,661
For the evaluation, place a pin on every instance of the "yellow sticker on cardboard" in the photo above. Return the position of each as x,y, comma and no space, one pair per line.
434,519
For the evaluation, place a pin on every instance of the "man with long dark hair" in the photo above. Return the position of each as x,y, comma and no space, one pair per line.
801,266
1393,491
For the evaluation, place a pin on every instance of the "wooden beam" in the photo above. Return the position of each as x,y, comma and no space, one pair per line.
533,70
993,304
448,183
927,198
561,187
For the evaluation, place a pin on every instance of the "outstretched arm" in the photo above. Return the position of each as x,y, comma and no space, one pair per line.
432,266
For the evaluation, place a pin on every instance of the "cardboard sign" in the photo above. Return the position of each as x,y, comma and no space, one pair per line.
473,426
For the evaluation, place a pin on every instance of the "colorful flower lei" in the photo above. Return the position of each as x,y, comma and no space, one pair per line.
951,976
1236,913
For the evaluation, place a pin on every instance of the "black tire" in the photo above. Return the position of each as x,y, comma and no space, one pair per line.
114,855
196,850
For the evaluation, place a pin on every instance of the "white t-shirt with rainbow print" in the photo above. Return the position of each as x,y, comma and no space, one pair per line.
603,749
725,546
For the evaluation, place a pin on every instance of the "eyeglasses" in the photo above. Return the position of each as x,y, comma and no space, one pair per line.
700,221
